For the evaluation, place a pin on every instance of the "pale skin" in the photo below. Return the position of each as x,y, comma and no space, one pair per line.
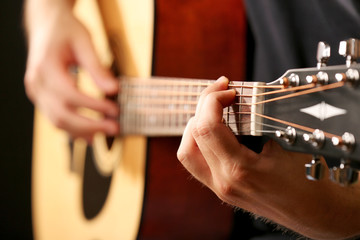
271,184
57,41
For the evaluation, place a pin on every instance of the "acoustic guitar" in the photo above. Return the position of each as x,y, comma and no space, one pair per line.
132,186
305,110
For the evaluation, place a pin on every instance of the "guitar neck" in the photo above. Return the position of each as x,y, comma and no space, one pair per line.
163,106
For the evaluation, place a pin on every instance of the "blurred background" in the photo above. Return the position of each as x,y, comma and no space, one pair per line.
16,127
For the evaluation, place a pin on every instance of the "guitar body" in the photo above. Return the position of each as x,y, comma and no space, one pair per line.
193,39
147,194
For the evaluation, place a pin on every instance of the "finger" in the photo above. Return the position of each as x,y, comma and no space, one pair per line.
87,58
77,99
217,143
220,84
64,87
191,158
81,126
69,119
203,127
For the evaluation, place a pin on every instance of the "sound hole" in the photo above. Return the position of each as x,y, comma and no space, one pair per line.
110,141
95,186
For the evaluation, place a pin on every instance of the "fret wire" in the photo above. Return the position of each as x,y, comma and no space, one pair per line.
227,115
139,119
168,117
188,116
240,106
126,100
181,115
143,120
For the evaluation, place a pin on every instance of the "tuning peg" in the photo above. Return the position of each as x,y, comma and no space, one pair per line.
345,143
351,76
350,49
323,54
344,175
316,139
288,135
315,169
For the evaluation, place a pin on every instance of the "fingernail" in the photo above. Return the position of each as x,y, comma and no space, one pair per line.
113,129
223,79
111,85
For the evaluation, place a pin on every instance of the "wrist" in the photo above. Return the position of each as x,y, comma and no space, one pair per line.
39,12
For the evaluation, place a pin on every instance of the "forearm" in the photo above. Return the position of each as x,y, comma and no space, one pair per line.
320,210
274,186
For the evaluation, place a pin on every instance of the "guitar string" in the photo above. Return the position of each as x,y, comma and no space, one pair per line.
307,86
298,126
309,89
140,92
295,125
256,122
321,88
167,93
189,82
161,102
313,90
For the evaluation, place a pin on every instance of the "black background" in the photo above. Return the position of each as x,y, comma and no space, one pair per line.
16,127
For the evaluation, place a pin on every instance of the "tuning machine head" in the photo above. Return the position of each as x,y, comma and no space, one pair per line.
346,143
350,49
351,76
323,54
315,169
316,139
288,135
344,175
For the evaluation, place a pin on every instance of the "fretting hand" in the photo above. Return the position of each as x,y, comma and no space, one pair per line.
271,184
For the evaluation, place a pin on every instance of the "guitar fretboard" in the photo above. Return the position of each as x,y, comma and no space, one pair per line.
163,106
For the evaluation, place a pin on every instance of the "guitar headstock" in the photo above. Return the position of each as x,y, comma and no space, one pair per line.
318,111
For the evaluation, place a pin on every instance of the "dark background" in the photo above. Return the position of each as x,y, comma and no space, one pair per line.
16,127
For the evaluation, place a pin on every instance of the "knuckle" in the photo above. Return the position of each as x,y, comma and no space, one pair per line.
202,129
237,183
225,190
212,98
29,90
239,174
30,81
182,156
